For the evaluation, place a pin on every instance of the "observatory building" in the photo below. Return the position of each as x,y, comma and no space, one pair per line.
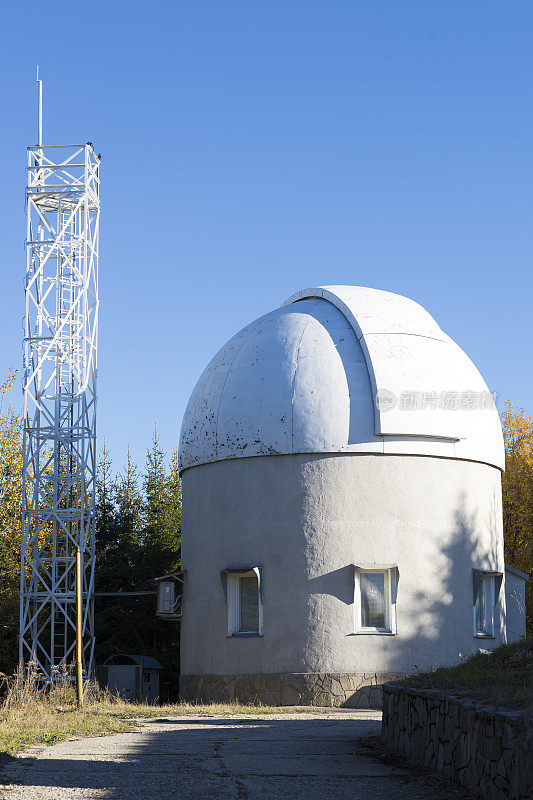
342,523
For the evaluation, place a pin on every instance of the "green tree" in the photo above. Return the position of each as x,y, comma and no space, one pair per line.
161,540
119,562
138,539
162,511
118,512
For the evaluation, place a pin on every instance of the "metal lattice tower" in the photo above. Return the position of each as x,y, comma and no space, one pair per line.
59,383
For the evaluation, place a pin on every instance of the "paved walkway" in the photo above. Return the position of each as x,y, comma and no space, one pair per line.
283,757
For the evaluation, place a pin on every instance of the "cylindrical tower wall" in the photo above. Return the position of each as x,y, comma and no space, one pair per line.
306,520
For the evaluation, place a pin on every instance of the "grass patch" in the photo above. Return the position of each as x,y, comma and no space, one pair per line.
502,677
30,719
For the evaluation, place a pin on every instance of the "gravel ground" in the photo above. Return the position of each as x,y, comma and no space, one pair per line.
284,757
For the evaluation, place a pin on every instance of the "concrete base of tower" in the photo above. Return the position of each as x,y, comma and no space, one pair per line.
342,689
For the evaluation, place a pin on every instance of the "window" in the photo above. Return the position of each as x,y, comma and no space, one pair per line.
248,604
375,599
244,599
484,602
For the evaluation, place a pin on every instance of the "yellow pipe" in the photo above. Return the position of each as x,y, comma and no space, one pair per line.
79,671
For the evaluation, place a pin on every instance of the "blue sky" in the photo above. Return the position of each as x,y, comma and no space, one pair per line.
251,149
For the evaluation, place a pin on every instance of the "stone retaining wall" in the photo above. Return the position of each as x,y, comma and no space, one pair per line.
349,690
477,745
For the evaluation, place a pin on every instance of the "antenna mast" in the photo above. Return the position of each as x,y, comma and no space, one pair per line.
39,110
59,384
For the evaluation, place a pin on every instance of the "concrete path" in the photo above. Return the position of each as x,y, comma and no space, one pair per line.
284,757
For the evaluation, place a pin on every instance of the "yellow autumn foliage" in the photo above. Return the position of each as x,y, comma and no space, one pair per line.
10,486
517,488
10,525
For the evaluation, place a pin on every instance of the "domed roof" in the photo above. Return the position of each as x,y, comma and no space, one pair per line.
341,369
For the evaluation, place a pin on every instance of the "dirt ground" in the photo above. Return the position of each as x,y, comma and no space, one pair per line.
283,757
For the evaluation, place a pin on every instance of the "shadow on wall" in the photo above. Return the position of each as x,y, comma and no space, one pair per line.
337,583
441,626
432,620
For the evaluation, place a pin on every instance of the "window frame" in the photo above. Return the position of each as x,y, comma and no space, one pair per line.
481,580
233,600
391,588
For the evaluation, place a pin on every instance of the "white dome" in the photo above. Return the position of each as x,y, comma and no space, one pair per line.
341,369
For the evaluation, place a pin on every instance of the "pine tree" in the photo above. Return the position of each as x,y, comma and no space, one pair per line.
162,511
119,566
174,505
138,539
130,502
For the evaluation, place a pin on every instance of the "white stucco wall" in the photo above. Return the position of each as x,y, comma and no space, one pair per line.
306,519
515,601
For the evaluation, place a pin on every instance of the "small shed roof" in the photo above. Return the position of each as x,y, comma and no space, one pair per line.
171,576
147,662
515,571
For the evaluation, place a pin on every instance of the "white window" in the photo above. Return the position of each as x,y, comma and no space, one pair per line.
375,599
484,602
245,607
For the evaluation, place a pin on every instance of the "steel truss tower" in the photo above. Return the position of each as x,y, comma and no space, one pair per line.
59,382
